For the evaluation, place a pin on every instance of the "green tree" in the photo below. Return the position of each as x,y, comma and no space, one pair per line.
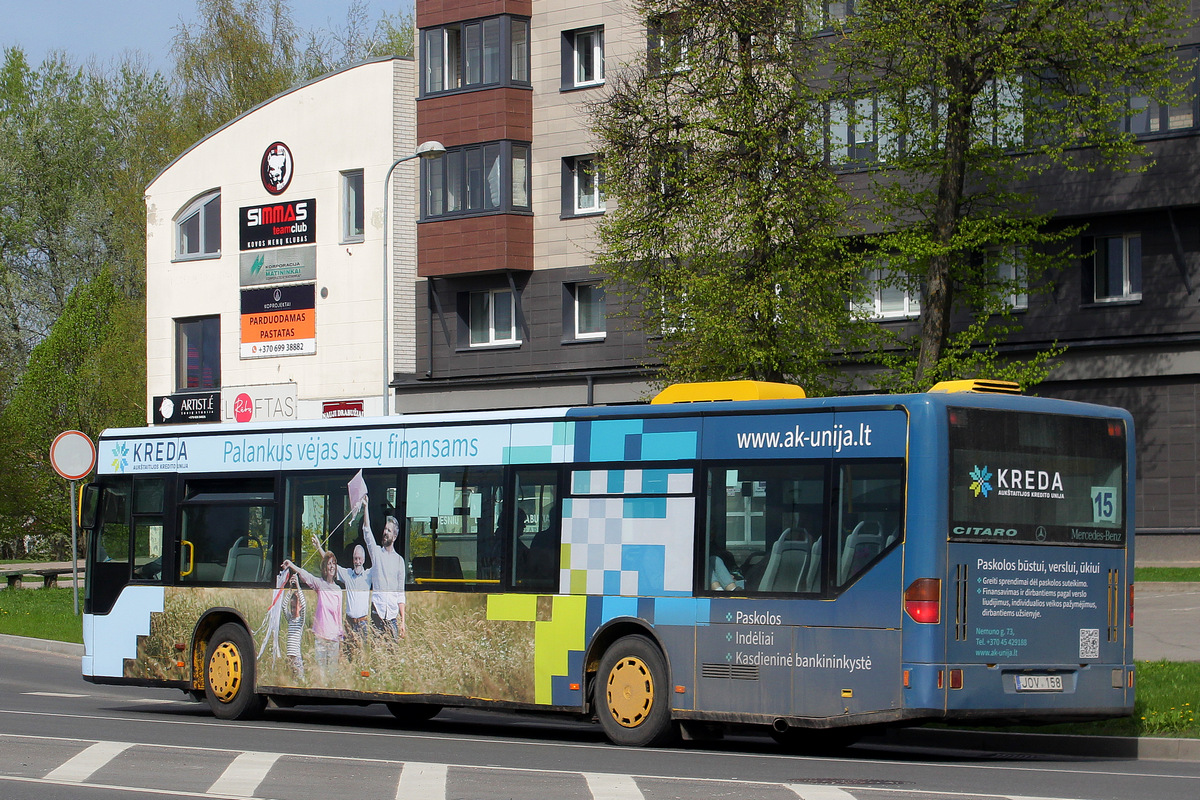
727,245
234,57
964,102
52,137
77,147
240,53
81,376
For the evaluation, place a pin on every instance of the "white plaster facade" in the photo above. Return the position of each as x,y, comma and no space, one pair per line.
360,118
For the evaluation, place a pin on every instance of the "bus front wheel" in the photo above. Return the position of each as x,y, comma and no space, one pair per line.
632,696
229,674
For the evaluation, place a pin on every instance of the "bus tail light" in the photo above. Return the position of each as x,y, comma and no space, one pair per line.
923,600
956,679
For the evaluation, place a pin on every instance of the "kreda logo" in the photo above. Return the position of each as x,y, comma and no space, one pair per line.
981,481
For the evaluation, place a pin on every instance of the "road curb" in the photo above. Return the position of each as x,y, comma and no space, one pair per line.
1146,748
41,645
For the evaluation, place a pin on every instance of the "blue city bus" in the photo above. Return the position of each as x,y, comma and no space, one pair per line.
732,554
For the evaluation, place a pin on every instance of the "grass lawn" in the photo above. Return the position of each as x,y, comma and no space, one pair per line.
1190,574
41,613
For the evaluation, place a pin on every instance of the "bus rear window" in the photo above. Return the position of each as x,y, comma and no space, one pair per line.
1036,479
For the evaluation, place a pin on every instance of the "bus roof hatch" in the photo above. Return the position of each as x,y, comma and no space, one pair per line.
977,385
727,390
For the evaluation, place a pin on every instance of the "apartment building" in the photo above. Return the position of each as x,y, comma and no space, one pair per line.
509,314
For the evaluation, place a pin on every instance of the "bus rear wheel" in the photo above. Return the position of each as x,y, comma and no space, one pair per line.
229,674
632,700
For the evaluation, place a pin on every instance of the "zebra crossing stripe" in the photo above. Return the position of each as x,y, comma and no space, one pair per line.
244,774
809,791
604,786
83,765
421,781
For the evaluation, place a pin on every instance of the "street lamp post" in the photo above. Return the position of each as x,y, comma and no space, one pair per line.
425,150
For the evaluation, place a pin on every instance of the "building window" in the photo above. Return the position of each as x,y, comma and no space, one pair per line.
1008,267
198,228
668,43
587,57
492,318
198,353
1116,269
352,206
588,311
583,186
887,296
468,55
519,34
472,180
855,135
1001,122
1146,118
837,11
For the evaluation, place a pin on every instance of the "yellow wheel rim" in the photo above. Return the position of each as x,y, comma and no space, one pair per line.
225,671
630,692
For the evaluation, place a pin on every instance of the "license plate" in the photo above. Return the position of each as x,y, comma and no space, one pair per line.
1039,683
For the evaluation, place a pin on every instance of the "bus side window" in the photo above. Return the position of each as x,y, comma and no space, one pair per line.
148,496
113,534
870,517
454,520
536,538
765,529
226,532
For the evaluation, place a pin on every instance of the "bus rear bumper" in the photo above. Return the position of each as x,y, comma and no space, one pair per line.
1028,692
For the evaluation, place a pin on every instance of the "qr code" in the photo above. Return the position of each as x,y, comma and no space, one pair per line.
1089,642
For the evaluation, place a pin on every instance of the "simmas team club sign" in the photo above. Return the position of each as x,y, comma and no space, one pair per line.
279,321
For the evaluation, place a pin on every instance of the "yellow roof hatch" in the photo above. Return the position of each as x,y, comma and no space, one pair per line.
727,390
977,385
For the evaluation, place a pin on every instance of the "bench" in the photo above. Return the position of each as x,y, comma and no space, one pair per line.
49,576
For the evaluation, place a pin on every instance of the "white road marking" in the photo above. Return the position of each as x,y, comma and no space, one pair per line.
741,756
605,786
809,791
126,791
81,766
420,781
54,694
243,775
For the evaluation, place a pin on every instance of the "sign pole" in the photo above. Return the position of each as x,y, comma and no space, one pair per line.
73,454
74,550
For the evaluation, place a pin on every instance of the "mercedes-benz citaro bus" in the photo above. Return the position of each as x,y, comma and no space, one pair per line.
731,554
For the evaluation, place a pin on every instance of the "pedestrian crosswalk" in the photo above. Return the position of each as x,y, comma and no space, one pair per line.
174,771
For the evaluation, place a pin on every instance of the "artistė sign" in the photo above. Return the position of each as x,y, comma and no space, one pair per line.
279,322
172,409
286,265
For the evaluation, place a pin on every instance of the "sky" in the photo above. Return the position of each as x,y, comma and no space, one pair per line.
107,29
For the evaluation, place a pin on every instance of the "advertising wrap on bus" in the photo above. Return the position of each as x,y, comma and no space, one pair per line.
1037,531
797,563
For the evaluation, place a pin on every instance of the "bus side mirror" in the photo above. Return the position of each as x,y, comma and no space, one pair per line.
89,506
